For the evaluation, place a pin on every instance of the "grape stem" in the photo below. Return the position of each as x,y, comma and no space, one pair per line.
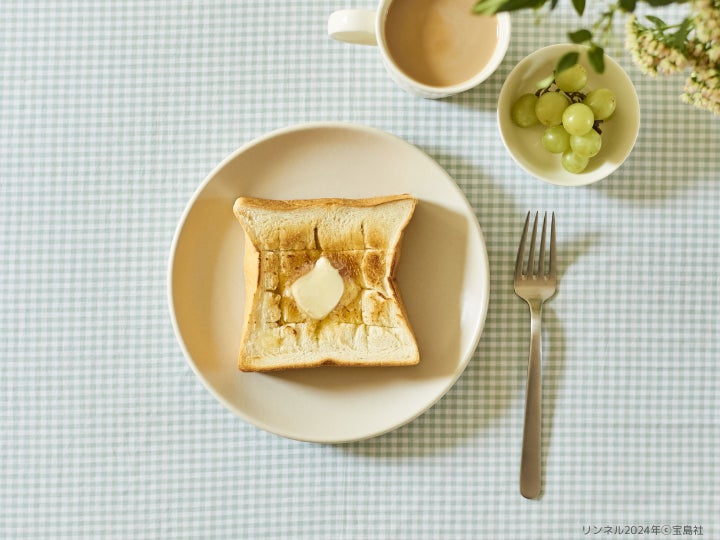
574,97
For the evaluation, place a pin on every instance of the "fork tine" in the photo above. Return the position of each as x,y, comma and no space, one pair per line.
531,256
541,260
521,249
552,247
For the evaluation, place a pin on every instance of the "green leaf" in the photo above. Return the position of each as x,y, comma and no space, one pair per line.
596,57
657,21
658,3
514,5
580,36
490,7
566,61
628,5
679,38
579,6
553,4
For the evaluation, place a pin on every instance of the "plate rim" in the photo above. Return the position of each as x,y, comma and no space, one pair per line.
466,355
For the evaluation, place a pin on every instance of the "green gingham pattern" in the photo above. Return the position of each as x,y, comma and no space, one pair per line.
111,114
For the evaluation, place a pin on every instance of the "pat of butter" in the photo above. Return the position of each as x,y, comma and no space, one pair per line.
318,292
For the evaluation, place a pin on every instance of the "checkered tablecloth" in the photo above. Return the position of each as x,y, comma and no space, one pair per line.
112,113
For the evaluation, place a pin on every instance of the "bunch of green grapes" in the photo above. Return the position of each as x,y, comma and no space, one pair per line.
571,118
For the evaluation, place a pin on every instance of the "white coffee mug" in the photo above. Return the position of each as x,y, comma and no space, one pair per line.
366,27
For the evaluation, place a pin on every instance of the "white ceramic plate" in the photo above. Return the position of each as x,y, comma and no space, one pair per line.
524,144
443,277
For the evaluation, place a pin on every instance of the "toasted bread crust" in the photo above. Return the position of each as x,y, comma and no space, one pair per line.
361,239
294,204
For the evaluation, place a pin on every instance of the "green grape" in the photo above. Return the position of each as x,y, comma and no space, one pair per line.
587,145
572,79
602,102
578,119
523,111
556,139
573,162
550,107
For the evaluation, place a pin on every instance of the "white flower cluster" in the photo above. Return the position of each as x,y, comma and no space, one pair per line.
702,88
656,52
650,52
706,21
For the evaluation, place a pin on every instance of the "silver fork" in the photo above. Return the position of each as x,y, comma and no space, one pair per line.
535,286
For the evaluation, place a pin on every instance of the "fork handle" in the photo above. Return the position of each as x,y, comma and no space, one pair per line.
531,460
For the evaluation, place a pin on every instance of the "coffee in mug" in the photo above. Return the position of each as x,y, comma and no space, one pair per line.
431,48
439,42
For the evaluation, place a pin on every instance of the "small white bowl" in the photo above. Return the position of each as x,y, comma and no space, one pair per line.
618,133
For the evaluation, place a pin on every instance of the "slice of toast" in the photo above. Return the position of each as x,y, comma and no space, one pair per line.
360,238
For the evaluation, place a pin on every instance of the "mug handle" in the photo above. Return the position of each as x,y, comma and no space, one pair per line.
353,26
